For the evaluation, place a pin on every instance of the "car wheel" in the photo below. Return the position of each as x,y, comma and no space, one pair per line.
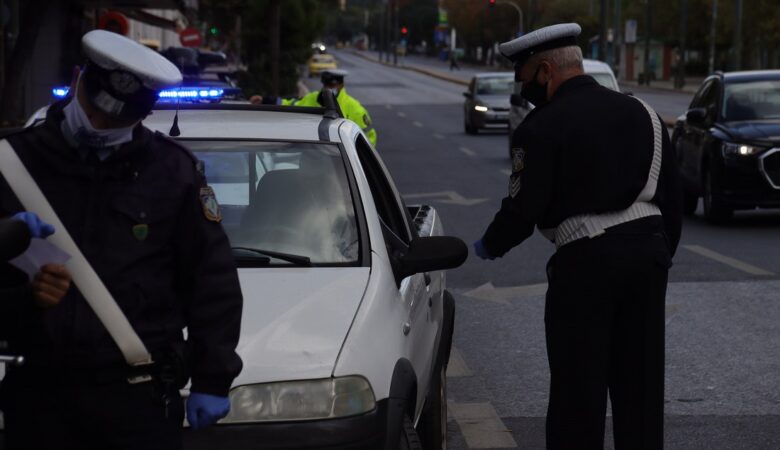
714,209
409,439
690,203
467,127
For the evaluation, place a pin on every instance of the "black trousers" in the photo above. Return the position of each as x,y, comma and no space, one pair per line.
604,322
74,415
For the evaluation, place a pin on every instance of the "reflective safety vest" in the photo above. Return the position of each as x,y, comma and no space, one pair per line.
350,107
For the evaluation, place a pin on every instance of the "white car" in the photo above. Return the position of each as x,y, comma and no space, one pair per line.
600,71
347,326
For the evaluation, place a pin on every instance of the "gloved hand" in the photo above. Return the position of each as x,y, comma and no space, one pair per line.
203,410
38,228
481,251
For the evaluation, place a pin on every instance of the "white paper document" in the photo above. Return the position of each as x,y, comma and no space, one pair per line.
39,253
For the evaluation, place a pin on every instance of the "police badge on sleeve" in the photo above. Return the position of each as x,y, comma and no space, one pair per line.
210,205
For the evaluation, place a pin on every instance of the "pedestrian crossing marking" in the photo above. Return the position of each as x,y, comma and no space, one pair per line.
480,425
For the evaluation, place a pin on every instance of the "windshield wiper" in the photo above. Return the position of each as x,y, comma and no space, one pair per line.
298,260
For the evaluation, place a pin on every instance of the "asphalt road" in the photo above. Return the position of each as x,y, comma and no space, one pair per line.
723,306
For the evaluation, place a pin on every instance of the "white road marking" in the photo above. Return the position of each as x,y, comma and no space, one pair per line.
503,294
727,260
506,172
457,366
401,114
438,136
389,106
450,197
480,426
467,151
417,124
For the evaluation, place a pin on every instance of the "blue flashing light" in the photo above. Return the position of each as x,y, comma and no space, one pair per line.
60,92
192,93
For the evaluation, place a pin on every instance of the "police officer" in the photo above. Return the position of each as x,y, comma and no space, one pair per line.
593,169
142,215
334,81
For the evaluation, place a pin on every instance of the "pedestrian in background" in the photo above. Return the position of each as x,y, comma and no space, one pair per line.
140,212
454,60
594,170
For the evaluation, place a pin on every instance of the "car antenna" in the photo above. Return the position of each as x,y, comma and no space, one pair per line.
332,108
175,127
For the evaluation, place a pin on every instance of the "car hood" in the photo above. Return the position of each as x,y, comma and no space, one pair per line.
295,320
755,131
494,101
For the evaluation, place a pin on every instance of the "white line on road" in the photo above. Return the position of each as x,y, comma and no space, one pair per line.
727,260
457,366
467,151
388,106
506,172
480,426
401,114
438,136
417,124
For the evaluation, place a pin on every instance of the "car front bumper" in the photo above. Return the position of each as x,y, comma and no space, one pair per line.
490,117
363,432
748,182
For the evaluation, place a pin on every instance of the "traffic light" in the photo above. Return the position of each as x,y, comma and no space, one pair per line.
214,31
404,30
491,3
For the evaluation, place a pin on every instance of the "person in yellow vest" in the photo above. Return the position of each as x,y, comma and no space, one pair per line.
350,107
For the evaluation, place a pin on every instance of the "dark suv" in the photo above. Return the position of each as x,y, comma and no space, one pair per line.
728,144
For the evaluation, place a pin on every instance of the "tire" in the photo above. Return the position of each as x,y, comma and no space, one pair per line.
409,439
468,128
433,423
715,211
690,203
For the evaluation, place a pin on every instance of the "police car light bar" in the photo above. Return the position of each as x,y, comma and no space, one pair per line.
181,93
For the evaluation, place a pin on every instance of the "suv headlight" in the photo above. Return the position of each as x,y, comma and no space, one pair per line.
328,398
733,149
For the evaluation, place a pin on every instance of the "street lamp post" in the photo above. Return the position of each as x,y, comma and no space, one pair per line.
519,13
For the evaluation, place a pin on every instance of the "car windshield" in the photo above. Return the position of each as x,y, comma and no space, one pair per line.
754,100
605,79
282,202
495,85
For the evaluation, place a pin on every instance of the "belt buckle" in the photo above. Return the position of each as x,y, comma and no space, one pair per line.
139,378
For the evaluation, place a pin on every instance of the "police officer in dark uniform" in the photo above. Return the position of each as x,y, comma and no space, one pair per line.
593,169
142,215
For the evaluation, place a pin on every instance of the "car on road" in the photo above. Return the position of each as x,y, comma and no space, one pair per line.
487,101
347,323
319,63
728,144
600,71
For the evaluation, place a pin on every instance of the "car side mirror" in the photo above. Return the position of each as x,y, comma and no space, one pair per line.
696,116
518,100
468,95
431,253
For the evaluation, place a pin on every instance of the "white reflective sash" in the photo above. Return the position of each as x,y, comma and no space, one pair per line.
84,276
592,225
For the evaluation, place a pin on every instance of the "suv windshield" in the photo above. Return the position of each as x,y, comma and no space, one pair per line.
494,85
282,202
755,100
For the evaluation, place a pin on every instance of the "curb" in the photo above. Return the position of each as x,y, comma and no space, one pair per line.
668,121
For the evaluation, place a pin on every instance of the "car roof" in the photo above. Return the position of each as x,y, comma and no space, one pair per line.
243,121
750,75
595,66
494,74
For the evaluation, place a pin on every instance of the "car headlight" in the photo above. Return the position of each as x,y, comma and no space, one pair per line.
733,149
327,398
481,108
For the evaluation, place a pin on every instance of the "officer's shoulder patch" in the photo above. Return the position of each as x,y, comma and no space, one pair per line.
210,205
518,159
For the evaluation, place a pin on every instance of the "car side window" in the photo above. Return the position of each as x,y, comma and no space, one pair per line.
394,220
700,95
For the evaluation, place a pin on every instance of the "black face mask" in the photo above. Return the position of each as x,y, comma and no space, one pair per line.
533,91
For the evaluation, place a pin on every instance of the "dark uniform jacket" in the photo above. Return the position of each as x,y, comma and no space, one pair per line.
587,151
174,269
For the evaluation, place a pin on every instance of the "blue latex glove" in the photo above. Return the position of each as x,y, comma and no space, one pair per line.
38,228
203,410
481,251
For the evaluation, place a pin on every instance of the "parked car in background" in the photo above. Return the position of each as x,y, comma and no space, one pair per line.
728,144
601,72
319,63
487,101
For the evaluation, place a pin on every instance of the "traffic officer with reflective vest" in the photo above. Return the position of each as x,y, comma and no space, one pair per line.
149,257
334,81
593,169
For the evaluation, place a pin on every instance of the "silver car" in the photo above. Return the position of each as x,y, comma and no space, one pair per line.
487,101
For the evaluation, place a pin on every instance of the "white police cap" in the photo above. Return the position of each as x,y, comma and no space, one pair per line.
333,75
547,38
122,77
